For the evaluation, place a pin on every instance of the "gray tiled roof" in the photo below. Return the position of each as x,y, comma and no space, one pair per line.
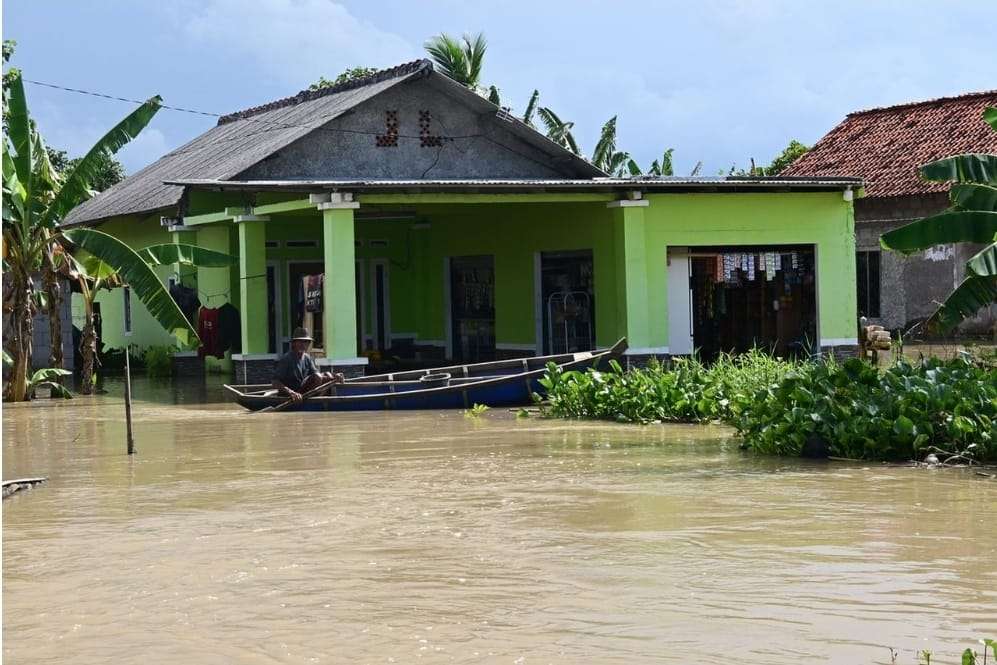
236,143
643,183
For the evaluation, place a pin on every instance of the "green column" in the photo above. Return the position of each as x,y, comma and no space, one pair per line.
253,284
631,272
184,236
339,312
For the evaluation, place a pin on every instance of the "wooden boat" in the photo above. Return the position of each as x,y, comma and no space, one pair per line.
497,383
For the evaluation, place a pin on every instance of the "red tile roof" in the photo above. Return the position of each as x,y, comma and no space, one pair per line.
885,146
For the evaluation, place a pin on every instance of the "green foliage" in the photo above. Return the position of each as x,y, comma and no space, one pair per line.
688,391
460,59
789,154
135,272
558,131
777,405
190,255
49,378
109,171
476,411
900,413
158,361
351,74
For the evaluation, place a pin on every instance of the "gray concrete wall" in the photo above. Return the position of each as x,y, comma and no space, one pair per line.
911,287
484,149
41,345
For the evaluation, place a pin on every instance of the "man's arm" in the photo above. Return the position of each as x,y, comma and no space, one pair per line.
278,383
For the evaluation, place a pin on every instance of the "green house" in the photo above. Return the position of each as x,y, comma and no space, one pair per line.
404,217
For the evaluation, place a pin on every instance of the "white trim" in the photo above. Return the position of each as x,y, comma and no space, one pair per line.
515,347
840,341
238,219
447,308
640,203
254,356
387,299
538,307
349,205
647,351
329,362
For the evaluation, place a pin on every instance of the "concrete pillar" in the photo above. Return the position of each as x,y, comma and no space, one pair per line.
631,271
253,284
339,311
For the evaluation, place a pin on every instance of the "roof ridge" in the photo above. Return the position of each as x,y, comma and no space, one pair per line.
926,102
397,71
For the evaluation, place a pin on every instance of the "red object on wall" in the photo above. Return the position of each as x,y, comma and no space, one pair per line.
208,331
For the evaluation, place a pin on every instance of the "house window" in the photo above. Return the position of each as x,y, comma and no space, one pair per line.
867,265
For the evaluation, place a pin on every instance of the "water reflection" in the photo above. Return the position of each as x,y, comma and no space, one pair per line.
345,537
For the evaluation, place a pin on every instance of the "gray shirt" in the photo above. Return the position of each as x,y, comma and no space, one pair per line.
292,370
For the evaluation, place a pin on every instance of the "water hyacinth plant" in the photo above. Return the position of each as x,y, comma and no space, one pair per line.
853,409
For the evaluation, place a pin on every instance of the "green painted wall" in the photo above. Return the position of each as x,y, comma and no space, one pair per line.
822,219
136,233
513,232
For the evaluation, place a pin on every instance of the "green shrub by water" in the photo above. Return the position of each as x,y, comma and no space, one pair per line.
903,412
158,361
687,391
855,409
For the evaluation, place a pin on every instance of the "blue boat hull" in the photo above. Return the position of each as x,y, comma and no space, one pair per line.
496,384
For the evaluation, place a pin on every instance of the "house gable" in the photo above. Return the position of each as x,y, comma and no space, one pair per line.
427,127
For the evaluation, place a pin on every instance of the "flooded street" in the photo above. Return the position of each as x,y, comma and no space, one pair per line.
395,537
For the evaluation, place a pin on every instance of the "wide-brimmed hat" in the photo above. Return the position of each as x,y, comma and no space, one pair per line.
301,333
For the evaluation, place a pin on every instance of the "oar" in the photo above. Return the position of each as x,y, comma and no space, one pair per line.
304,396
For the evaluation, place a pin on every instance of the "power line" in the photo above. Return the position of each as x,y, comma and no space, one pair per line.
120,99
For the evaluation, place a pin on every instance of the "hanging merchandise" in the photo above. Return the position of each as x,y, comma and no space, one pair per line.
208,331
770,266
751,267
720,269
229,328
313,292
796,261
186,299
743,261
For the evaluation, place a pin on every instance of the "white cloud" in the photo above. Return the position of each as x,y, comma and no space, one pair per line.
293,40
146,148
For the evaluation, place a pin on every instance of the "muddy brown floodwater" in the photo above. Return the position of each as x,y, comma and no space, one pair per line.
396,537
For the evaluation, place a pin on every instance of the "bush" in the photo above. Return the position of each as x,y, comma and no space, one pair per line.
853,409
158,361
902,412
688,391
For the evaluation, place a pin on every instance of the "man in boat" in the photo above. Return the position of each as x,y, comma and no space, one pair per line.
296,373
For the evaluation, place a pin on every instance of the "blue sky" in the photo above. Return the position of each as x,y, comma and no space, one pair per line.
720,81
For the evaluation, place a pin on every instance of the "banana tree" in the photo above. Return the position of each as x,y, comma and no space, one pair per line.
972,218
35,199
608,158
558,130
101,262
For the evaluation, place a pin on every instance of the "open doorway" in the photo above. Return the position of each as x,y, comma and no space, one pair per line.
745,297
472,308
567,301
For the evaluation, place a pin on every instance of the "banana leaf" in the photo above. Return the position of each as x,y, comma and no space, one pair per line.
19,130
948,227
76,186
191,255
140,277
973,167
972,295
531,108
984,263
990,117
974,197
